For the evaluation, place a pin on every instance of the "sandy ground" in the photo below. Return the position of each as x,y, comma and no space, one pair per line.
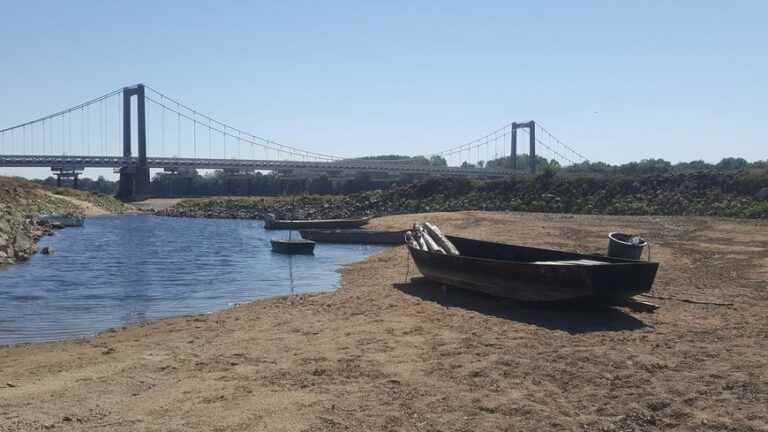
89,209
385,354
156,203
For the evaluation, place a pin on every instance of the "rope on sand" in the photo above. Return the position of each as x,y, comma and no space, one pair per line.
684,300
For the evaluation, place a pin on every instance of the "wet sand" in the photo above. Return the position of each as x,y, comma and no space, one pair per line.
386,353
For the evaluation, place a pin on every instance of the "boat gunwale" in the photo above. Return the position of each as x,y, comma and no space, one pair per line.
358,219
601,258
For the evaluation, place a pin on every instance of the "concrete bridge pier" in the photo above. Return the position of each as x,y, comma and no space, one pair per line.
65,173
126,185
134,181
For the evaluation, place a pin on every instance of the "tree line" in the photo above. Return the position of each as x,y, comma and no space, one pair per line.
223,182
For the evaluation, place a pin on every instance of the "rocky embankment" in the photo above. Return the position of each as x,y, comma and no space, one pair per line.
20,204
707,193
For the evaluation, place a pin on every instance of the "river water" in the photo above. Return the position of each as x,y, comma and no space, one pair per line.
122,270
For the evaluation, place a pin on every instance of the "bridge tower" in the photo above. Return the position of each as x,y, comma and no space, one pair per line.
531,126
134,180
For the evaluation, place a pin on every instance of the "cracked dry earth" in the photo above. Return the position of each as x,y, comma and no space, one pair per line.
384,354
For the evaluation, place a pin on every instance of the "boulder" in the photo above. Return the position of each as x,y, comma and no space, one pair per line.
5,226
23,246
762,194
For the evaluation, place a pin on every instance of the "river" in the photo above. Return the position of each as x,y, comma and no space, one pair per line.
122,270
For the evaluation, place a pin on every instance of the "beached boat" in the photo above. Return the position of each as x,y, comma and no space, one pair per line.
61,220
271,223
355,236
533,274
293,247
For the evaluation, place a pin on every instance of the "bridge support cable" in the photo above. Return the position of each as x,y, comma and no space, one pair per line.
506,137
69,131
231,133
75,130
554,142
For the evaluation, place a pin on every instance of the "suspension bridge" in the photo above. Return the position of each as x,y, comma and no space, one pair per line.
102,133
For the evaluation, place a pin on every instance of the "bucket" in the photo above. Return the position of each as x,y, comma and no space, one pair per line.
620,245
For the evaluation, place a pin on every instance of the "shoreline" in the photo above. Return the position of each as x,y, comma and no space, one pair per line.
381,353
21,203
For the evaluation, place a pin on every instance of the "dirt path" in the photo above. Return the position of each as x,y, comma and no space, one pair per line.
90,209
385,354
156,203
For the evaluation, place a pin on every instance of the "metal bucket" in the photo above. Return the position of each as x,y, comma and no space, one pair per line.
620,246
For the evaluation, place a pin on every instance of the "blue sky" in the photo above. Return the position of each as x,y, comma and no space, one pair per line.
618,81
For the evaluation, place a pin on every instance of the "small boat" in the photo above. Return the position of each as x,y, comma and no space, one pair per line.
62,220
293,247
271,223
535,275
356,236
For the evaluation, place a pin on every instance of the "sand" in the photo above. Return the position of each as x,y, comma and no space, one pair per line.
385,354
89,209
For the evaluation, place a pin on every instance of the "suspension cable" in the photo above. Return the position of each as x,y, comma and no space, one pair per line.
267,142
62,112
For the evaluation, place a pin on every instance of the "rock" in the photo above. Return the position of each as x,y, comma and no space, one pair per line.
23,245
47,250
5,226
10,385
762,194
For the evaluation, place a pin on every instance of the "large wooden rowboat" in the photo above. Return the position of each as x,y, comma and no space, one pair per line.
273,224
535,275
354,236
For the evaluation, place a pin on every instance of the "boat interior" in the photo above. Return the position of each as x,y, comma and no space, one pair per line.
522,254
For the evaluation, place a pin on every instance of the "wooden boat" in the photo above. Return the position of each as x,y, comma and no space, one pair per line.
60,220
293,247
535,275
271,223
356,236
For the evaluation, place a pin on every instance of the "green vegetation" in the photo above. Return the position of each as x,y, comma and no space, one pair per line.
104,202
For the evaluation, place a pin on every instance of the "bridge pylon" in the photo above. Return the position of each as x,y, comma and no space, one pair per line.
134,180
531,126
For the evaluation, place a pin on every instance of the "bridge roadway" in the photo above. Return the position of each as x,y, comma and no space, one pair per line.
81,162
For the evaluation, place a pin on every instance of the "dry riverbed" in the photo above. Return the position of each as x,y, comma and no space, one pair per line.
385,354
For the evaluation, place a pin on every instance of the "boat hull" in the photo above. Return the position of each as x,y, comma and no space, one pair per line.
535,275
293,247
354,236
276,224
63,221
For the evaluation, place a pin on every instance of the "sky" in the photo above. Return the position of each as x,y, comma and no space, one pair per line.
618,81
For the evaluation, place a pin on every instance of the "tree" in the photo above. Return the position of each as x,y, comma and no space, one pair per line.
419,160
320,185
437,160
361,182
693,165
731,163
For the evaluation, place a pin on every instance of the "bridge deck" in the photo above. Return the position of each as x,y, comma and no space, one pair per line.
266,165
